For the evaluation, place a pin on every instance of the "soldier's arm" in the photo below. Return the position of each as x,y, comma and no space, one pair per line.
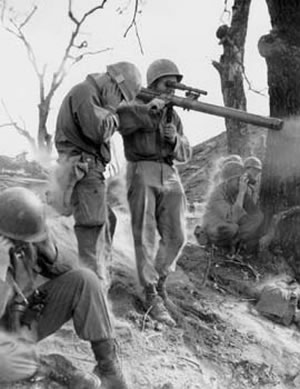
97,123
137,116
182,150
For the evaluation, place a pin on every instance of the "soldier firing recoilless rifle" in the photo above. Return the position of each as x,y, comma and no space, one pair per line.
190,102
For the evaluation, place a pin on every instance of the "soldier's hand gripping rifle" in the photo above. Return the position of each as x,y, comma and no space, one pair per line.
190,102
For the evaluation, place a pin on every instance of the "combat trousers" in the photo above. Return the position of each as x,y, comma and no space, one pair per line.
223,235
78,295
250,228
157,204
92,221
75,295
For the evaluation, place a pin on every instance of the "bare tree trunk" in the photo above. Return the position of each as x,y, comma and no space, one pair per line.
44,138
280,191
281,49
231,70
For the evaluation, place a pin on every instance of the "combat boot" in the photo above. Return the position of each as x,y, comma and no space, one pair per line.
156,307
84,380
55,367
161,288
108,368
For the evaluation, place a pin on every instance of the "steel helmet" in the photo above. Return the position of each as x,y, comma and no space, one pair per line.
161,68
253,162
22,215
128,78
231,169
232,157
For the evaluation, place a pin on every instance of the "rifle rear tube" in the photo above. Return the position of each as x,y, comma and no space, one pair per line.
211,109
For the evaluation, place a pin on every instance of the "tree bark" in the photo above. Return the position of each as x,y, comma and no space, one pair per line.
231,70
281,50
44,138
280,191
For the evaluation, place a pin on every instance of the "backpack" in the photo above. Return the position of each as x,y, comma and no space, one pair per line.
278,301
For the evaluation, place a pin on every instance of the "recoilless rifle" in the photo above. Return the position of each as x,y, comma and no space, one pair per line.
190,102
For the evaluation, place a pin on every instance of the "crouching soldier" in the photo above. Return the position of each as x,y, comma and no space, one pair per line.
68,293
228,219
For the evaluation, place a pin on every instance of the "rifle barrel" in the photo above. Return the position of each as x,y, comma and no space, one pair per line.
230,113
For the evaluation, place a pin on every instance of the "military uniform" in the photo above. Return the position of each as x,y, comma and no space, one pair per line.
155,194
85,124
42,291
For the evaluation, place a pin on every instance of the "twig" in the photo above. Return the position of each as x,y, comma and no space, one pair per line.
237,261
133,24
207,269
145,317
8,124
136,6
193,362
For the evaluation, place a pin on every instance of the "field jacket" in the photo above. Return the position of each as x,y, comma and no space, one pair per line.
80,122
142,133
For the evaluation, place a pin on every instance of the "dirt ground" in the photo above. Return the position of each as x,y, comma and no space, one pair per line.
220,341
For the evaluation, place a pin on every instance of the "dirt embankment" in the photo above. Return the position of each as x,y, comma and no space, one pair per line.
220,341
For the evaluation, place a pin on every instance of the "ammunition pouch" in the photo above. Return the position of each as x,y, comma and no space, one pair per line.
24,313
14,314
35,307
69,171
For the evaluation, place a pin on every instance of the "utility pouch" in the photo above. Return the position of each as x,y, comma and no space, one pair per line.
68,172
14,316
36,304
278,302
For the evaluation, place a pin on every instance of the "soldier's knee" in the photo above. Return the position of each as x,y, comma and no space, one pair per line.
179,239
84,277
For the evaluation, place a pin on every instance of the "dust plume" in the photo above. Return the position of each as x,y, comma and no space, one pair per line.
283,150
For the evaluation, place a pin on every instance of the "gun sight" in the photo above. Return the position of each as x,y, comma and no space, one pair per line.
186,88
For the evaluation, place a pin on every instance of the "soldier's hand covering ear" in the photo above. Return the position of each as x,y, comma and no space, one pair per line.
111,123
6,293
23,260
170,133
111,96
244,181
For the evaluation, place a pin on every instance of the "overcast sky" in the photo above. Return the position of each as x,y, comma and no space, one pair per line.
183,31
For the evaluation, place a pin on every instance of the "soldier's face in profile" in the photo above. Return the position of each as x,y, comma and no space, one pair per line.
161,84
253,174
234,184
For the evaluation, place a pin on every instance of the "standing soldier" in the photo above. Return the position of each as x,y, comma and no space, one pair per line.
153,139
86,122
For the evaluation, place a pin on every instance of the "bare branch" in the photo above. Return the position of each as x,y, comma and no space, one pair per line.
21,130
3,10
71,15
28,17
59,75
20,35
87,53
250,87
86,14
136,6
134,24
8,124
138,38
91,11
